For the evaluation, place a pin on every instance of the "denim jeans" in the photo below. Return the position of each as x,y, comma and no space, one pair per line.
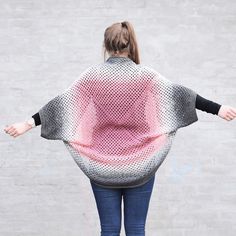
135,202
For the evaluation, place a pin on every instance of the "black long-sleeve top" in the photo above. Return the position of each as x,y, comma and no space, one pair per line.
202,104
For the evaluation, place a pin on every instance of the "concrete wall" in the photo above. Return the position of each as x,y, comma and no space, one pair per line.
44,45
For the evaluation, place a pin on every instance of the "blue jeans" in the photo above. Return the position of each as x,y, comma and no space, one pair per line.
136,202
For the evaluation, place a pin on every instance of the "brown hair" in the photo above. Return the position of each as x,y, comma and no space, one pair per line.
120,37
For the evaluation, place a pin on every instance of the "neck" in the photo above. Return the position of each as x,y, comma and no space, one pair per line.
125,54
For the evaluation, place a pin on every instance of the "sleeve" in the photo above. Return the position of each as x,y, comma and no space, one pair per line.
184,105
175,104
60,117
206,105
36,118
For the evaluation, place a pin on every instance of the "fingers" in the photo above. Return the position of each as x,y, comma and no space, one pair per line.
233,111
15,135
6,129
11,130
229,116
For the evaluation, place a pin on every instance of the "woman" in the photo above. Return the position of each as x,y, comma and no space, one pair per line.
118,121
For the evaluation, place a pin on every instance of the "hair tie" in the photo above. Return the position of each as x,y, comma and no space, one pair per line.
123,24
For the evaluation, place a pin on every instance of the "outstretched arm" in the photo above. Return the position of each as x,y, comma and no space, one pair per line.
201,104
224,111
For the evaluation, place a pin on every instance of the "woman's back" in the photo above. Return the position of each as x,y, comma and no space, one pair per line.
124,118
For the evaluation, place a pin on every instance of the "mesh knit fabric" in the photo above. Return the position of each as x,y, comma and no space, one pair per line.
118,120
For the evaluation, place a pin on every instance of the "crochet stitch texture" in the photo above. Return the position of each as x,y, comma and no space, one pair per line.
118,120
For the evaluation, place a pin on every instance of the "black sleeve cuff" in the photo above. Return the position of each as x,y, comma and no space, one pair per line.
37,119
207,105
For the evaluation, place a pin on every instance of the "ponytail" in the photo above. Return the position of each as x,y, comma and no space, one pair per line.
121,37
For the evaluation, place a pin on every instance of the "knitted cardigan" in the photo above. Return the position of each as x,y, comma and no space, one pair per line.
118,120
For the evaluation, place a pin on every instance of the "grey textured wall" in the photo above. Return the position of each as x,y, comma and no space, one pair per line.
44,45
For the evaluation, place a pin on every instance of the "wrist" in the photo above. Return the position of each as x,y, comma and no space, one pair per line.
30,123
219,109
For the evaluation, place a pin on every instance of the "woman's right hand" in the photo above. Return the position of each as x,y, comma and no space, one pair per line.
227,112
17,129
